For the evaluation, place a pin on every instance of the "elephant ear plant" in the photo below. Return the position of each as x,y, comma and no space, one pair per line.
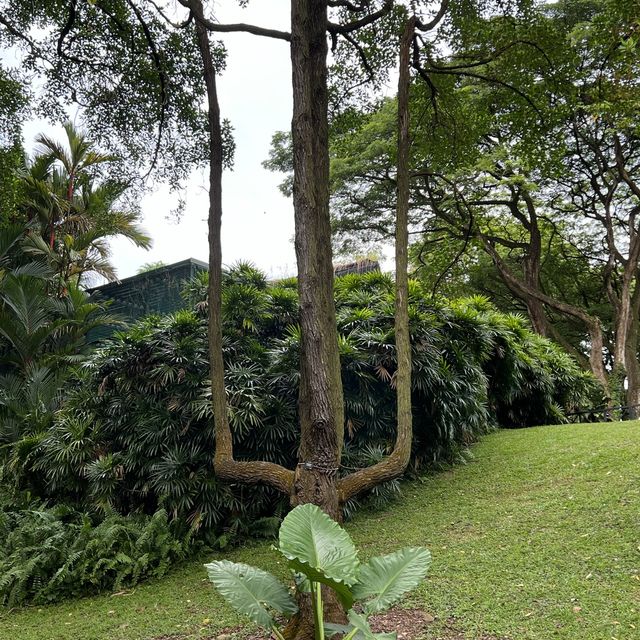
320,552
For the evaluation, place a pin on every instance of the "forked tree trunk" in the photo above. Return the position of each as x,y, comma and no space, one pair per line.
321,406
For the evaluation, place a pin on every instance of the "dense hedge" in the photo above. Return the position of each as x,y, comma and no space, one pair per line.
137,435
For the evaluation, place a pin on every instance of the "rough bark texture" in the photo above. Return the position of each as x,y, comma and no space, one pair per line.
397,461
320,404
225,466
631,356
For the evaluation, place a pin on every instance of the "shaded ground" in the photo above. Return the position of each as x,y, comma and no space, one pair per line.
537,539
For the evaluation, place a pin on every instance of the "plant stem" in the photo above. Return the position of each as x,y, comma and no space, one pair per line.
350,634
276,633
316,595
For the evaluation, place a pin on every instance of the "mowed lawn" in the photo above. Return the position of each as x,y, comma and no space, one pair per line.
537,538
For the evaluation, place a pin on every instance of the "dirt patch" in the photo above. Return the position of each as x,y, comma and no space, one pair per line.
409,624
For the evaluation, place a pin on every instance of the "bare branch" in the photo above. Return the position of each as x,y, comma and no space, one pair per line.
432,24
363,22
235,28
167,19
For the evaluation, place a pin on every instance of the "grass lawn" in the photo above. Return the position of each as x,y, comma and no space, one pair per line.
537,538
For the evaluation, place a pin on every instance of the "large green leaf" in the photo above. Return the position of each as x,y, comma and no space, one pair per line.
251,591
364,630
343,591
320,548
385,579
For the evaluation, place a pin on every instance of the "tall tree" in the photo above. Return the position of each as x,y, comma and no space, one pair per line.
547,156
164,80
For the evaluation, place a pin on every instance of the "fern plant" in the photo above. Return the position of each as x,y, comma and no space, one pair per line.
320,552
49,554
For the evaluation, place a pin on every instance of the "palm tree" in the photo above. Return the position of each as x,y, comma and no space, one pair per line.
76,214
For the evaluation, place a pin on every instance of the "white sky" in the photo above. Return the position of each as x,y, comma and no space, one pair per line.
255,94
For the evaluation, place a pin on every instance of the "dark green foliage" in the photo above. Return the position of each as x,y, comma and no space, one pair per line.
136,433
531,380
46,554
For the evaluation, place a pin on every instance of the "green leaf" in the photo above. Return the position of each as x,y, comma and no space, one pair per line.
320,548
330,629
364,630
388,578
342,590
250,591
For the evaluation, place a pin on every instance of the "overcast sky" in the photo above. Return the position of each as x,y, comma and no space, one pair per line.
255,94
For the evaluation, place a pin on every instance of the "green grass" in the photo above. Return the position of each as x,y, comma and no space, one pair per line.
537,538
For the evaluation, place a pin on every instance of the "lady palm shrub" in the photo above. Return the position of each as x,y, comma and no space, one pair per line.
531,380
136,433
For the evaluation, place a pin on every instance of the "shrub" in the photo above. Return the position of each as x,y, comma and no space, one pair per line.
48,554
136,433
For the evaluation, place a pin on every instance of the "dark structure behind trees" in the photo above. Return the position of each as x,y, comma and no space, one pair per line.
158,291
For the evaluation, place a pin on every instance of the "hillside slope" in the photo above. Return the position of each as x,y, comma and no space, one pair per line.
537,538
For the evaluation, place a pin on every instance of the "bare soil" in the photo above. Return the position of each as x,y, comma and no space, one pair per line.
409,624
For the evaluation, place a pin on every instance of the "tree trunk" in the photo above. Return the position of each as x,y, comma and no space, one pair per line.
592,324
320,403
396,463
225,466
631,357
531,271
321,407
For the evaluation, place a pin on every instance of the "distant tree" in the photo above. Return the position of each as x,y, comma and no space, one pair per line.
76,211
529,156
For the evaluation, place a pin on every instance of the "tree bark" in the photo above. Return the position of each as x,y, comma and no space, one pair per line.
631,356
225,466
321,406
592,324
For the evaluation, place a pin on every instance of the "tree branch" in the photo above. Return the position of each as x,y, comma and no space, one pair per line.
234,28
224,464
395,464
363,22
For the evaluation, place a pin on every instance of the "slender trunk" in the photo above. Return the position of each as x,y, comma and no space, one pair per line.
631,357
320,402
225,466
626,320
216,363
395,464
